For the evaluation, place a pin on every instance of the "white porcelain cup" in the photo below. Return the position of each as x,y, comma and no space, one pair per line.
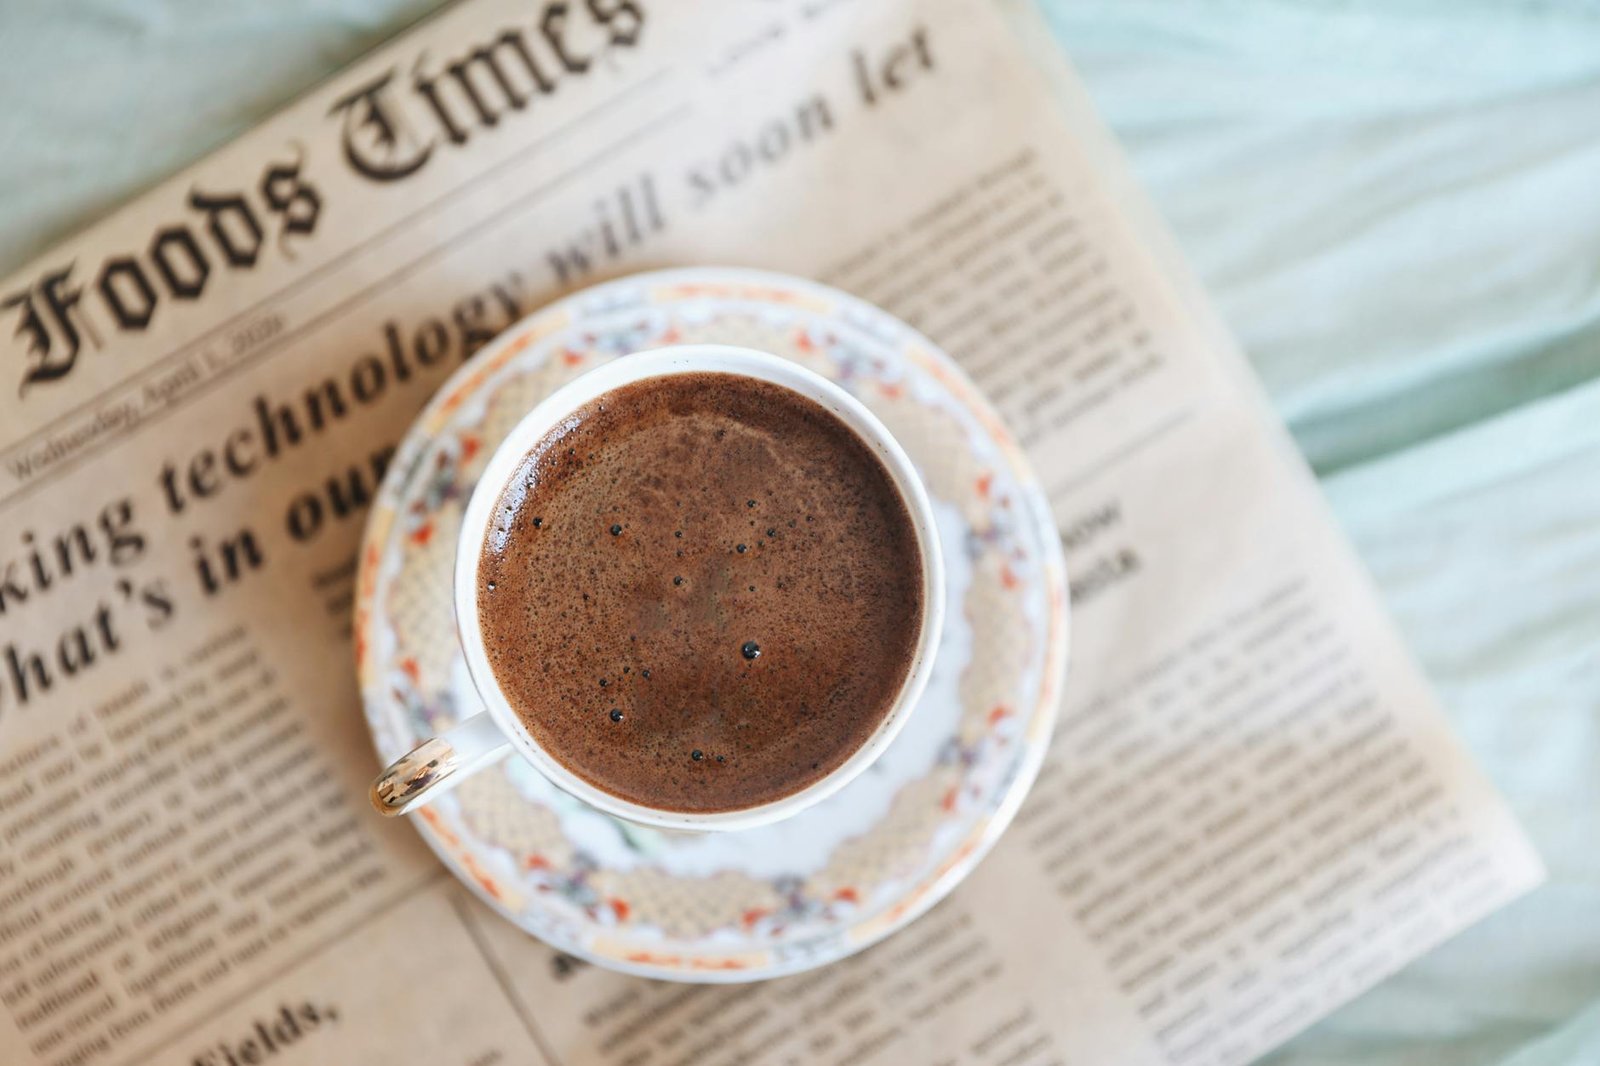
441,762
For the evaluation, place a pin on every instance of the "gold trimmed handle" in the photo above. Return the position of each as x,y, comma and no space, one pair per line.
437,765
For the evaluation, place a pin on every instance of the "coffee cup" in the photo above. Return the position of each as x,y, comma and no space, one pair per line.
440,763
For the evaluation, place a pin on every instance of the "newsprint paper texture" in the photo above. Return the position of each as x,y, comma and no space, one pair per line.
1253,809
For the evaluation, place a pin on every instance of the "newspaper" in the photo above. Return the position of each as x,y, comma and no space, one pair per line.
1252,811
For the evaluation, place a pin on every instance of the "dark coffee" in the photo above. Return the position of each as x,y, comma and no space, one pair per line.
701,593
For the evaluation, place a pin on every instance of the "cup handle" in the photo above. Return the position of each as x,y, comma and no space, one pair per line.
439,764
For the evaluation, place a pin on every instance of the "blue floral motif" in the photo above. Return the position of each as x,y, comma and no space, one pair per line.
435,712
854,364
798,907
644,332
441,483
575,884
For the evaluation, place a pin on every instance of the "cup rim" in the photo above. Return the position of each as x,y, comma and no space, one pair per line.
665,362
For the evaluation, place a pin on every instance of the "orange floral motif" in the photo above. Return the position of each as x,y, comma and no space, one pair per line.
716,964
894,913
959,857
481,876
469,387
649,958
452,401
620,908
678,962
444,833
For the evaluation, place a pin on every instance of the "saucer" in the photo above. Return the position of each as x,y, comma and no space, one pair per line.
758,903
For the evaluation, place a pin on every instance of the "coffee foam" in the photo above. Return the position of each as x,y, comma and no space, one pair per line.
701,563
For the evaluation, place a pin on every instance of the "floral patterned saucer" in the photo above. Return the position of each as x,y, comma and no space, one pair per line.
841,875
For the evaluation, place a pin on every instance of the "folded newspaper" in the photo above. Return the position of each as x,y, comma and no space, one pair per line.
1253,808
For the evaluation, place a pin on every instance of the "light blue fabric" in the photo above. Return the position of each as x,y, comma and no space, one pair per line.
1393,203
1396,205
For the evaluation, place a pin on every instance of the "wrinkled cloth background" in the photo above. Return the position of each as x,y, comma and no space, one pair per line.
1396,206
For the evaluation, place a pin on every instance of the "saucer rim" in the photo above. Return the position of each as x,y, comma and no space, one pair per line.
1035,737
